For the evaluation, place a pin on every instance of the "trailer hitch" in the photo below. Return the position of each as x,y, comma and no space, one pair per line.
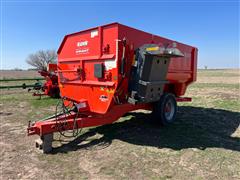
44,143
31,128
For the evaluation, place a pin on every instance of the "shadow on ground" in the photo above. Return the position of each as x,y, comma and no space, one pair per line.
196,127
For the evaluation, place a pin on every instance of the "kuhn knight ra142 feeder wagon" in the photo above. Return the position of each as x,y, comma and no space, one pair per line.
107,71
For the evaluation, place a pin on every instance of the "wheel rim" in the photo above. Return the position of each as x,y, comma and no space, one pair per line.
169,110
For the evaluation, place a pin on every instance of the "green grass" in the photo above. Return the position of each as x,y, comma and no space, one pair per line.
215,85
233,105
17,83
43,102
10,97
218,73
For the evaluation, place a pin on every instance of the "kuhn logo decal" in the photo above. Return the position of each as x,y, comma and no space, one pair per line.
82,43
103,98
82,47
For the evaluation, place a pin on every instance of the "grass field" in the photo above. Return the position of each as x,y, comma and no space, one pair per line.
204,142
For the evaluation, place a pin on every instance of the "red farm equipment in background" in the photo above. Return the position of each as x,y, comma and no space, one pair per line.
107,71
50,86
47,88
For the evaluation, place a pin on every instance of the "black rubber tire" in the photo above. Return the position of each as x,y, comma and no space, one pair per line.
159,113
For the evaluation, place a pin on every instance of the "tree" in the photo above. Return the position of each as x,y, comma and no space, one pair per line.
42,58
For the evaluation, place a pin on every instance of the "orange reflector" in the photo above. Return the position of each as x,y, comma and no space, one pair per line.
152,48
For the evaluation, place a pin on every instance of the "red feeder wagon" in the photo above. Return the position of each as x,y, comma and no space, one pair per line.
107,71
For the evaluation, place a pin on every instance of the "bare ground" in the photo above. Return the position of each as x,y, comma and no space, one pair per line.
11,74
204,142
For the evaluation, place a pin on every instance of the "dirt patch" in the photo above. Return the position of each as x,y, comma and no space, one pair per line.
233,80
11,74
219,76
215,93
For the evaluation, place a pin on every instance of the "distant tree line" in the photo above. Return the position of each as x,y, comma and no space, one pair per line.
42,58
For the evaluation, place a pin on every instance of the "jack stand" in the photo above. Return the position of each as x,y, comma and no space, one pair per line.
44,143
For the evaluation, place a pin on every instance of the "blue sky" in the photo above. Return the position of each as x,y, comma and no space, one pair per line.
212,26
